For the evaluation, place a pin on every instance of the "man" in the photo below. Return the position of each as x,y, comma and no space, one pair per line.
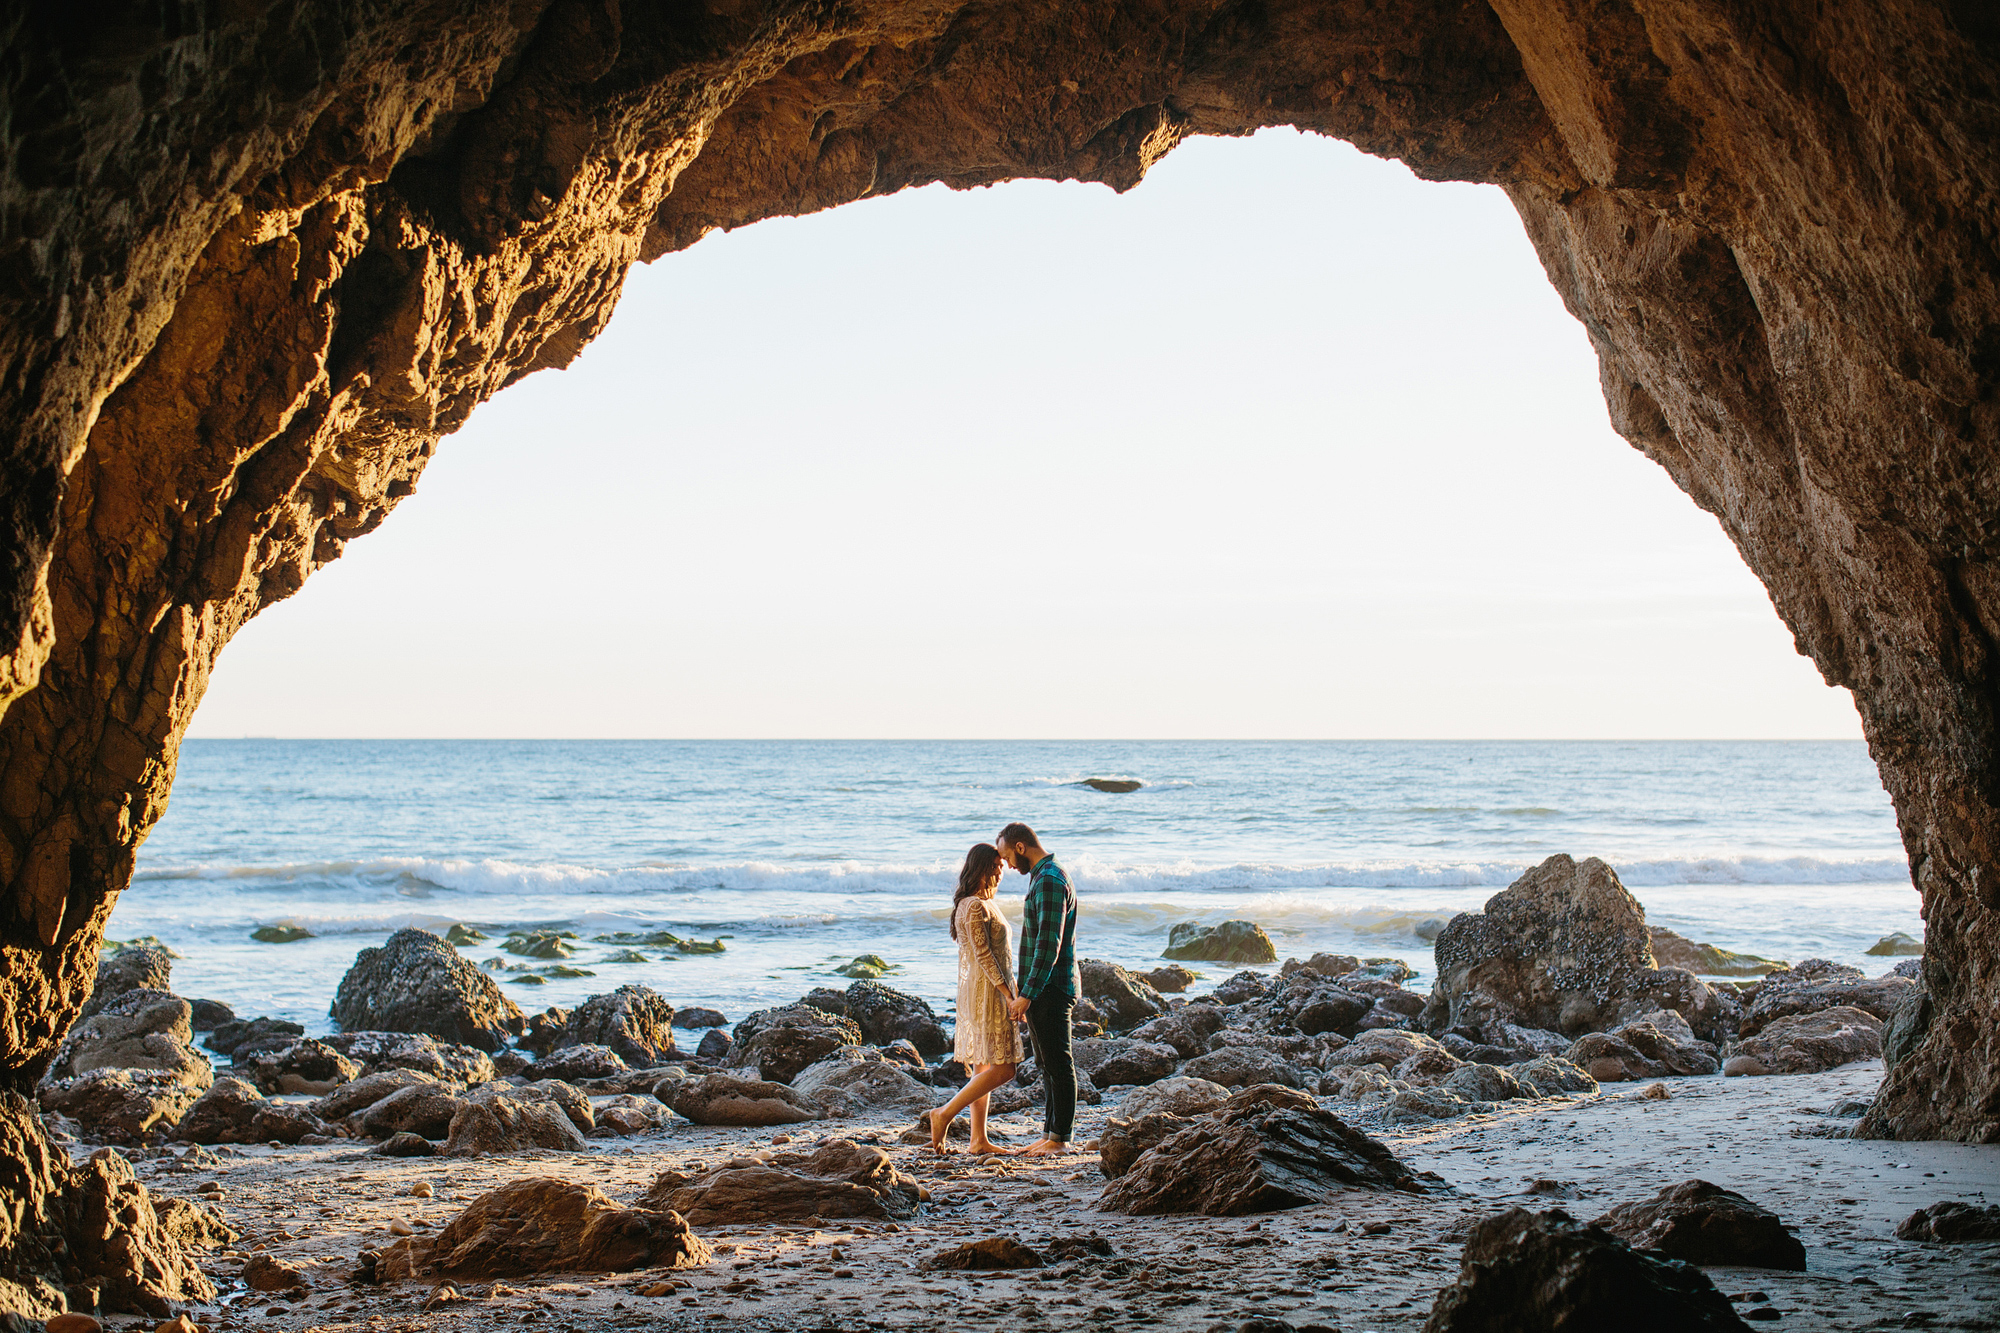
1049,983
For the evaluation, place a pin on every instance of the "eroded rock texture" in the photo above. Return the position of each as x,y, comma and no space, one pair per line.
258,258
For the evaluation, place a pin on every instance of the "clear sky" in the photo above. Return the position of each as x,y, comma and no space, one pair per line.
1283,443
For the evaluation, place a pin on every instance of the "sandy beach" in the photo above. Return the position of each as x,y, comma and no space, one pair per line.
1365,1262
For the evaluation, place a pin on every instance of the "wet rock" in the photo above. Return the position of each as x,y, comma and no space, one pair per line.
425,1109
504,1124
732,1100
118,1245
994,1252
1330,1009
367,1090
1113,1060
1427,1067
574,1063
697,1017
120,1103
857,1080
634,1022
1560,948
542,1225
1809,1043
311,1067
779,1043
865,967
415,982
1657,1046
280,934
1553,1076
1242,988
1435,1103
252,1034
1125,999
208,1015
1169,980
1896,945
1181,1095
1706,1225
714,1045
1705,960
886,1016
234,1111
134,967
1488,1083
1187,1030
544,944
626,1114
443,1060
1912,1020
1122,1141
1267,1148
1243,1067
1952,1223
140,1029
1230,942
1817,984
264,1272
838,1179
544,1030
1522,1270
1390,1047
406,1144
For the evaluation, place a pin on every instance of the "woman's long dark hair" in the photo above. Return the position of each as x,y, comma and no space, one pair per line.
980,862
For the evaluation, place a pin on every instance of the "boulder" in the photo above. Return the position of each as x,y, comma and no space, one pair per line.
1390,1047
1329,1008
1522,1270
1553,1076
1706,1225
264,1272
714,1045
1659,1045
120,1103
727,1099
1952,1223
1705,960
838,1179
208,1015
234,1111
1488,1083
134,967
1323,965
886,1015
446,1061
1181,1095
1265,1149
544,1030
1427,1067
1434,1103
1896,945
572,1064
781,1042
405,1145
994,1252
626,1114
1113,1060
542,1225
424,1109
857,1080
1817,984
1187,1029
1169,980
251,1034
1243,1067
140,1029
496,1125
119,1245
1912,1020
1559,948
197,1224
303,1067
1809,1043
1125,999
416,982
1230,942
1354,1082
1123,1141
634,1022
571,1100
364,1092
695,1017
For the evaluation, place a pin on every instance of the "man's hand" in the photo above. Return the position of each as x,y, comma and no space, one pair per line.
1017,1008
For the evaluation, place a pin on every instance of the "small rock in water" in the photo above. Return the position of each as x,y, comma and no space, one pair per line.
1230,942
283,933
1116,786
628,956
1896,945
460,933
867,967
541,944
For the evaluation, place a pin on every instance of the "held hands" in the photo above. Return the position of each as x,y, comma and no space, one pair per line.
1017,1008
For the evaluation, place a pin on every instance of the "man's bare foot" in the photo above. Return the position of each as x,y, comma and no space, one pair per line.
1046,1148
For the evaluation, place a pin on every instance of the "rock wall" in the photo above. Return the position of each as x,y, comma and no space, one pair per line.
257,259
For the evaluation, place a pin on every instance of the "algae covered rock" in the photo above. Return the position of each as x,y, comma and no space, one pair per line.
416,982
1230,942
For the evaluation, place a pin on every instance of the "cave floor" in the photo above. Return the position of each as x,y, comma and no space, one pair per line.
1768,1138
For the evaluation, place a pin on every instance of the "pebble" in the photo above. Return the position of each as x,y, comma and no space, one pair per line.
178,1324
422,1189
658,1289
1656,1092
73,1323
398,1227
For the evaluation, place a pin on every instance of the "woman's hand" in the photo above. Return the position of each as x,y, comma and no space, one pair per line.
1017,1008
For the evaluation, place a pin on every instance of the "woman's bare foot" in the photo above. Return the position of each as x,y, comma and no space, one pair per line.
939,1129
987,1148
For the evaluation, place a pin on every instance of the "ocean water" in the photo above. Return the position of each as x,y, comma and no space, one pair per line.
805,854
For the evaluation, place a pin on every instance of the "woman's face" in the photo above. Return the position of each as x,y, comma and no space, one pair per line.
992,884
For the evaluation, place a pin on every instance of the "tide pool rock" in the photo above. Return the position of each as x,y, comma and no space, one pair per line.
1657,1045
886,1016
781,1042
134,967
1230,942
1817,984
302,1067
234,1111
1704,1224
857,1080
634,1022
1896,945
140,1029
416,982
444,1060
1125,999
499,1125
727,1100
1809,1043
120,1103
1181,1095
1675,950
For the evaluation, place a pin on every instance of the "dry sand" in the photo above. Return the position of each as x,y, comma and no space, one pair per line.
1366,1261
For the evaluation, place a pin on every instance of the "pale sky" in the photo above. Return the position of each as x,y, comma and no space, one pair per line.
1283,443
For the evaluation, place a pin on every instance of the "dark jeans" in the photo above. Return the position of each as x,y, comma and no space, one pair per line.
1048,1027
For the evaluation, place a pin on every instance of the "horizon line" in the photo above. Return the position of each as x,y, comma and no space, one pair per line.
1092,740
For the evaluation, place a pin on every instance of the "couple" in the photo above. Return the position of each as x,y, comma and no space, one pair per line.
990,1003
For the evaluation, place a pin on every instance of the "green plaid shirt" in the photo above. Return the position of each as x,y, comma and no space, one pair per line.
1048,933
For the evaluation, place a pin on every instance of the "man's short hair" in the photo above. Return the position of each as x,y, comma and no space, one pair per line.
1021,834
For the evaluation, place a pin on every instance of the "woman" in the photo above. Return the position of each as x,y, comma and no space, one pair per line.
988,1041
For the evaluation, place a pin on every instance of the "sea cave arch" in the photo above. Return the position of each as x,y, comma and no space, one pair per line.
261,259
